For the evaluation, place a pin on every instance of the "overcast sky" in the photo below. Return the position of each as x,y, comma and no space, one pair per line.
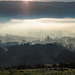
41,0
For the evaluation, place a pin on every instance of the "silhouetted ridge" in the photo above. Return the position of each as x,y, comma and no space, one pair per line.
66,56
34,54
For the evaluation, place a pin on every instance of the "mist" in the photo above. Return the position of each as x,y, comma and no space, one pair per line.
37,27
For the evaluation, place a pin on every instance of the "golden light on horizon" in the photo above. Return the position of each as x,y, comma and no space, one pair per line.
31,0
28,0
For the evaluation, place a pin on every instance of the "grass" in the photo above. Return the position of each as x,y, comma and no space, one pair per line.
43,71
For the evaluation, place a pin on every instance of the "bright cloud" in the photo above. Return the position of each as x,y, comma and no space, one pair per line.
37,27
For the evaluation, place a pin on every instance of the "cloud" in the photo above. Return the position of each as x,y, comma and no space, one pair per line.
37,27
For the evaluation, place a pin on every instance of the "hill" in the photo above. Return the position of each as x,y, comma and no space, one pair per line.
35,54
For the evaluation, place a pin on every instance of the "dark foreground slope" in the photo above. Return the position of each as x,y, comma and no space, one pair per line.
35,54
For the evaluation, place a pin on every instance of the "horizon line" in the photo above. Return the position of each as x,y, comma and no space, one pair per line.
39,1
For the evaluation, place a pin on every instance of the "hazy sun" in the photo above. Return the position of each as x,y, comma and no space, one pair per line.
27,0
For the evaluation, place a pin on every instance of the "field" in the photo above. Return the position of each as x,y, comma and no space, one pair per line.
42,71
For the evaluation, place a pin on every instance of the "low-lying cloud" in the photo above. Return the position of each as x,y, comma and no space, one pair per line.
37,27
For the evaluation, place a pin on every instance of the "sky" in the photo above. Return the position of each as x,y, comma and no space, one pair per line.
32,20
42,0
